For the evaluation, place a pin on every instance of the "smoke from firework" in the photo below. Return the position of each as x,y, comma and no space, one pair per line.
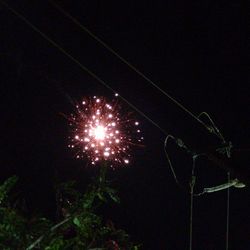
103,132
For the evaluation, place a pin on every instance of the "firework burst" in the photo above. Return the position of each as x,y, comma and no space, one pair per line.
103,132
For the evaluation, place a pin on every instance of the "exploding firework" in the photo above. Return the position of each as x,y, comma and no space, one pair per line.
103,132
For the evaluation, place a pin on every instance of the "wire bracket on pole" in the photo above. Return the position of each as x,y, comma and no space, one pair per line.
192,184
224,149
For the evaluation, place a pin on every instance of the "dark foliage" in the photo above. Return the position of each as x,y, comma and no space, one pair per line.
80,226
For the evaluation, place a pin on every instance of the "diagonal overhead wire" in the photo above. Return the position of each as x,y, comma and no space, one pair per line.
105,45
67,54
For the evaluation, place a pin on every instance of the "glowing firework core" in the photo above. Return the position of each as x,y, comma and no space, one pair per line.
101,134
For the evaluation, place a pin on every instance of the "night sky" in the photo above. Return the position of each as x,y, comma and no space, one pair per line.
193,50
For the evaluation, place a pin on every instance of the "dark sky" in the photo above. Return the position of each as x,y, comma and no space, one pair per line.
194,50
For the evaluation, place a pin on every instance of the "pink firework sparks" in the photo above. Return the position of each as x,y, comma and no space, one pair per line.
102,132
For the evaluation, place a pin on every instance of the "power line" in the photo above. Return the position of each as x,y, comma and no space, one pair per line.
228,211
105,45
23,18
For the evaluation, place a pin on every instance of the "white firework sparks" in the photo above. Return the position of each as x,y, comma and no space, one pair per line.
102,132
